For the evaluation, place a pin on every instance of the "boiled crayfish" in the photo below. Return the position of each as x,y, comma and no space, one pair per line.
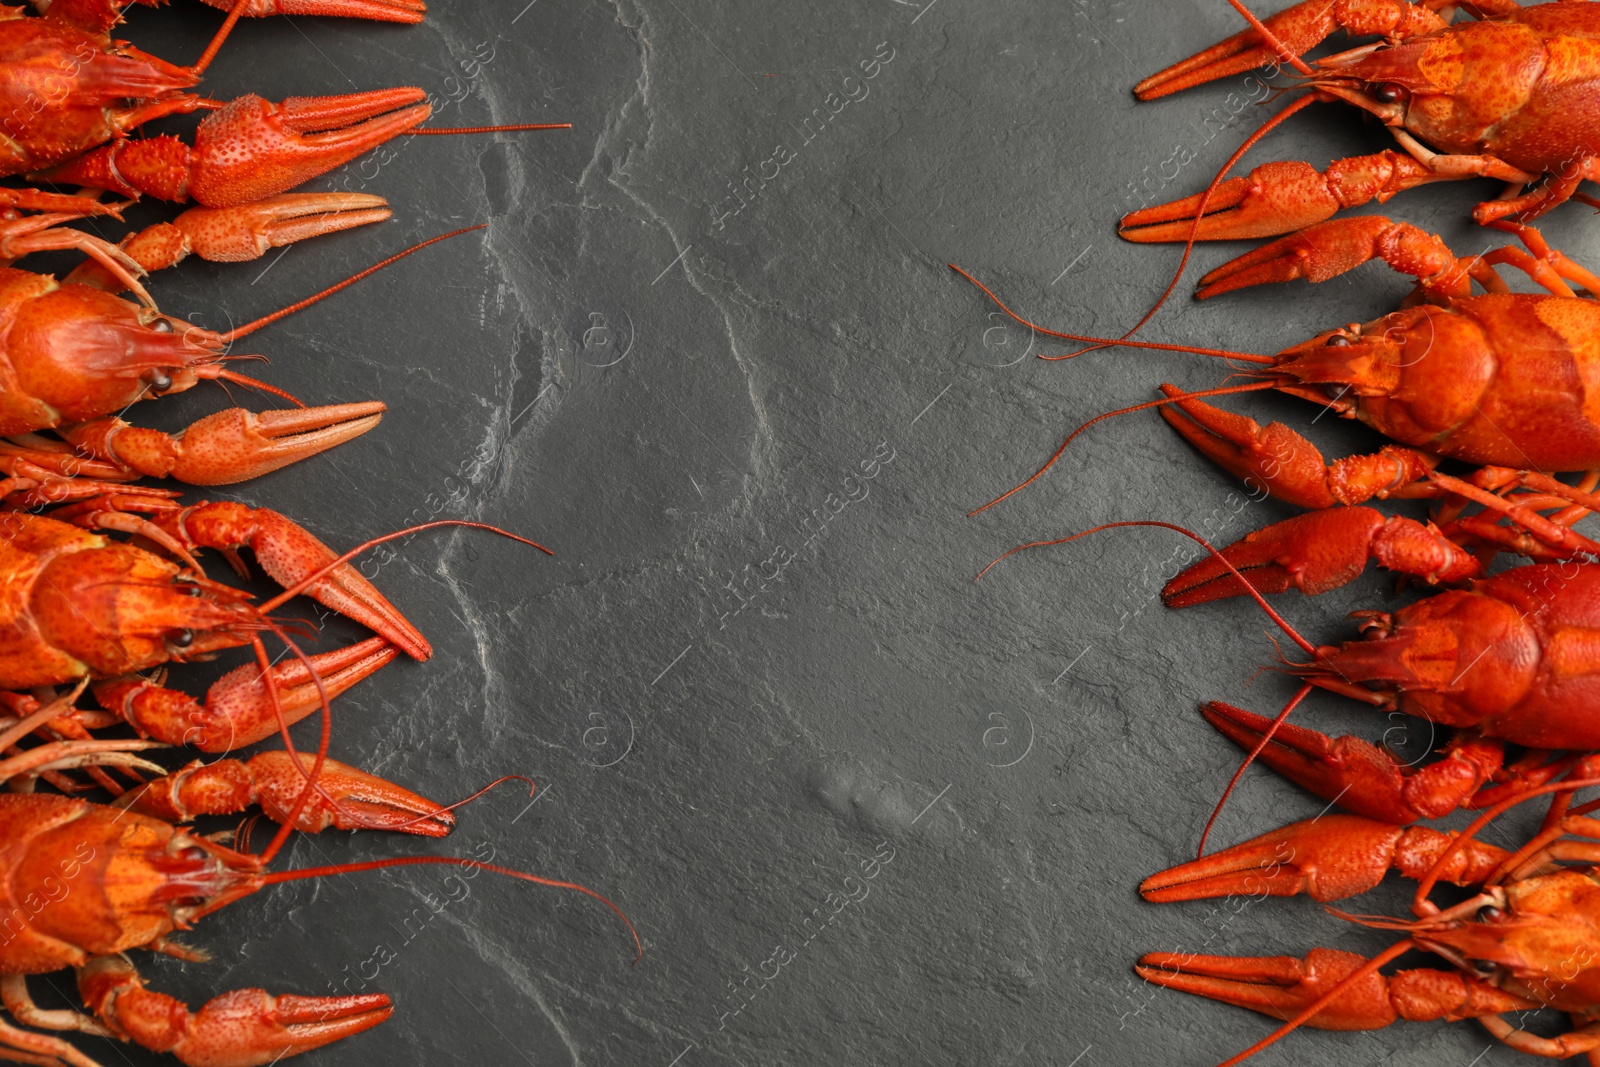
77,605
73,353
1524,940
1497,379
1514,96
82,884
70,95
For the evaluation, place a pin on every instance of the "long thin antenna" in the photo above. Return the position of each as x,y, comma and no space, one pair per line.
1224,391
252,327
1272,613
277,877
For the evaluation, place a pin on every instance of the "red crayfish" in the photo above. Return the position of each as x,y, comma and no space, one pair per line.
85,883
72,354
1523,941
1496,379
1513,95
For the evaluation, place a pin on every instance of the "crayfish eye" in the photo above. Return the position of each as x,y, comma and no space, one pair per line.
1391,93
188,586
161,326
159,380
181,638
1339,340
1490,914
1484,968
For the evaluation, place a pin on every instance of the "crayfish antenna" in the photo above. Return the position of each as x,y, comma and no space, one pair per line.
464,801
513,128
1228,390
1104,342
270,680
311,579
1272,613
412,861
1284,54
1204,202
1244,765
300,305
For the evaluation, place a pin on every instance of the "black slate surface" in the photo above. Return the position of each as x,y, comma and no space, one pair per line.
862,811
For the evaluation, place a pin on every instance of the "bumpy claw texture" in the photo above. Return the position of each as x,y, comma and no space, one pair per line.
290,554
1322,550
1276,198
1283,986
1361,777
249,149
1329,858
237,234
1299,29
233,445
243,1028
238,709
1330,249
270,779
409,11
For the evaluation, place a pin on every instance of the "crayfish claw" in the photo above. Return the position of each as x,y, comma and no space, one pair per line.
1281,986
1323,550
1329,858
1314,553
291,555
364,801
1361,777
236,445
252,148
246,231
360,801
239,709
1274,198
242,1028
1329,249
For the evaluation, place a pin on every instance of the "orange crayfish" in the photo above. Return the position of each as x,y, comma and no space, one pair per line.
1513,95
70,87
1507,659
1497,379
73,353
82,884
77,605
1524,939
67,87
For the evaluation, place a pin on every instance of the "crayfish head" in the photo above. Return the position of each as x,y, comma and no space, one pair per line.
115,879
1459,658
1535,937
1386,81
1450,88
86,353
119,609
1414,375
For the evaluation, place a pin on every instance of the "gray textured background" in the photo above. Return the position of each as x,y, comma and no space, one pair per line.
663,398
